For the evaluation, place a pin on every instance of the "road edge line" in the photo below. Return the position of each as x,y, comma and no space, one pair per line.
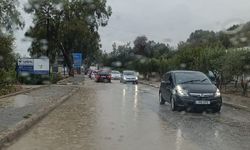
24,125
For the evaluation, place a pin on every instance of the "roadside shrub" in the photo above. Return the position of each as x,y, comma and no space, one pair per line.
32,79
7,80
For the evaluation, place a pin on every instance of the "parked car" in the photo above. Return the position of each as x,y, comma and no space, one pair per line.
93,74
129,76
115,75
103,76
189,89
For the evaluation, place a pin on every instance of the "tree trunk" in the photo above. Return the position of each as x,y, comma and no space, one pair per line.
244,85
236,83
68,60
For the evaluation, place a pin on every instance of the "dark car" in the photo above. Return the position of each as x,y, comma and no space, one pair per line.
103,76
189,89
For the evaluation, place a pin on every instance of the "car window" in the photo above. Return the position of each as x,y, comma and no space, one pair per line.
115,72
103,73
129,73
166,76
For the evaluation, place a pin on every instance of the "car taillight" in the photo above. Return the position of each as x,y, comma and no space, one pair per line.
97,76
109,76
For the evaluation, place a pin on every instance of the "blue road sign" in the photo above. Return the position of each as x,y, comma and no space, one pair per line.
77,58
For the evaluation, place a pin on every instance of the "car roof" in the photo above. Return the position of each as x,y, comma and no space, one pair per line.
184,71
128,71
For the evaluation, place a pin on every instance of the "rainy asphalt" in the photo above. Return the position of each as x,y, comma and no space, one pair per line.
115,116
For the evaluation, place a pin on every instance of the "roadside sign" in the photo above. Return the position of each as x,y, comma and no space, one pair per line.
77,58
33,66
25,62
41,66
26,65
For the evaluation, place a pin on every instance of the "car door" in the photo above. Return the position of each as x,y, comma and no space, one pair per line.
169,86
122,76
164,86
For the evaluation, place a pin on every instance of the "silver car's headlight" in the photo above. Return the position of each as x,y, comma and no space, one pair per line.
180,91
136,78
217,93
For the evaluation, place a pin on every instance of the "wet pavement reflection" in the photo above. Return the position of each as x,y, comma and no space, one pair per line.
126,117
22,100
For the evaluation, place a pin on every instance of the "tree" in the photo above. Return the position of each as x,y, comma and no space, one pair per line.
122,54
140,44
6,53
64,27
9,21
9,16
201,38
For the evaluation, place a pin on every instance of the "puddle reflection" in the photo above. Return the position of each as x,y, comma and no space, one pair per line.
136,98
22,100
179,139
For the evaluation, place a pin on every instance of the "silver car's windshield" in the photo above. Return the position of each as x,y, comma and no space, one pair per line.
129,73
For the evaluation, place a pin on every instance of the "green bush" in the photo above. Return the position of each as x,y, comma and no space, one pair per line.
55,77
33,79
7,80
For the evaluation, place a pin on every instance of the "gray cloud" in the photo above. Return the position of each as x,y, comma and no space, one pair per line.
162,20
171,20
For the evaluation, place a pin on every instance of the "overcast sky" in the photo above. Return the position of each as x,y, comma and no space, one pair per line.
168,21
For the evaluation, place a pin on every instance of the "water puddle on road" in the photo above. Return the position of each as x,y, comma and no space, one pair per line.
22,100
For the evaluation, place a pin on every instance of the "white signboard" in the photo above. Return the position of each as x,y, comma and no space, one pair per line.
25,62
34,66
41,64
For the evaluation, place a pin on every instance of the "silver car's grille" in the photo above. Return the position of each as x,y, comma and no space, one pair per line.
130,78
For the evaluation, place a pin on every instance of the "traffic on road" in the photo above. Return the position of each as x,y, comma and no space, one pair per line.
124,75
128,116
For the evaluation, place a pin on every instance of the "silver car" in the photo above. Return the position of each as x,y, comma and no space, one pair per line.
116,75
129,76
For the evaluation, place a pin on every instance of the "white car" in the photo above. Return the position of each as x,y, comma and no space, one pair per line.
129,76
115,75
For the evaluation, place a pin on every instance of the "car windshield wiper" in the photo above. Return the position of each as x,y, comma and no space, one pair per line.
189,81
204,80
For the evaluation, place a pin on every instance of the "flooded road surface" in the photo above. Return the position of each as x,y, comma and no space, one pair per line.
127,117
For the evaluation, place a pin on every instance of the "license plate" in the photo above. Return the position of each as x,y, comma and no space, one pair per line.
202,102
103,76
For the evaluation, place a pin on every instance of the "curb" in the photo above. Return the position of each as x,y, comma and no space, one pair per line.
155,86
225,103
23,91
12,134
236,106
28,90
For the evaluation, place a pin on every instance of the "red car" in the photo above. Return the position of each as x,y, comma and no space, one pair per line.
103,76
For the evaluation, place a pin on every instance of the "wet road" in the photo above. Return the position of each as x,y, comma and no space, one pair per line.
14,109
127,117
